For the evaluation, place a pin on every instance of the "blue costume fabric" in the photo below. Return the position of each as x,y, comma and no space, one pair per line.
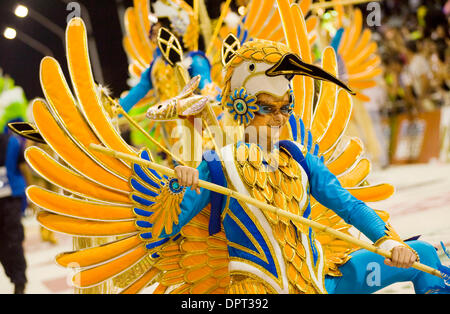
366,273
12,159
325,188
199,66
14,154
142,88
12,235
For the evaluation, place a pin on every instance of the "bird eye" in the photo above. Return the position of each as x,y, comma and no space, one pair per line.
251,67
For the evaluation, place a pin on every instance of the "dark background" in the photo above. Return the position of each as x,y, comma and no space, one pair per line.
21,62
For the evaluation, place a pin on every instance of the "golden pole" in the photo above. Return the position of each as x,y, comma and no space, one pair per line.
225,191
148,136
196,9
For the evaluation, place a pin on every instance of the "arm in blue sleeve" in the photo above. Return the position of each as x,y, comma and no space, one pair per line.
137,92
326,189
192,203
201,66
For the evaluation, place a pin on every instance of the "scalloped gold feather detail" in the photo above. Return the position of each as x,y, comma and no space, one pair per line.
199,263
165,211
281,187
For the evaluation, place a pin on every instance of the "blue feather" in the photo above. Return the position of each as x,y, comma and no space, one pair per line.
302,131
142,189
156,244
316,149
143,224
309,141
176,237
293,124
141,212
146,235
445,249
144,177
245,37
445,272
141,200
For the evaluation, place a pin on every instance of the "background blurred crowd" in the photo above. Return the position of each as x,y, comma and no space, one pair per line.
414,44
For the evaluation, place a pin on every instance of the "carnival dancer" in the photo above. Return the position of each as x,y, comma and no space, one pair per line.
257,99
178,17
184,242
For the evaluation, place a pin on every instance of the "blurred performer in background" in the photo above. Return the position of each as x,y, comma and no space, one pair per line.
12,185
12,204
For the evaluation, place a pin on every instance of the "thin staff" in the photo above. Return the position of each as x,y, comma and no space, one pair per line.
228,192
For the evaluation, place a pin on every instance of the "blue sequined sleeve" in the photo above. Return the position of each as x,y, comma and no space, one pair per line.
327,190
200,66
137,92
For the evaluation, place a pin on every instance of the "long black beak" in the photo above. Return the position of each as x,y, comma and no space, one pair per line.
291,64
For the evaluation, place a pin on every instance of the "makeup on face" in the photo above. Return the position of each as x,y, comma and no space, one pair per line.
266,107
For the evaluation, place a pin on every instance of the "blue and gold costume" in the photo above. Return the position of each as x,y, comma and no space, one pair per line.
181,242
159,76
276,254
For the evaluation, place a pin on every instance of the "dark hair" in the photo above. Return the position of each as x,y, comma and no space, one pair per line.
441,46
411,45
434,18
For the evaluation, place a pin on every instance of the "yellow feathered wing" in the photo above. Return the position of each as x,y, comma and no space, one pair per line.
359,55
326,124
107,197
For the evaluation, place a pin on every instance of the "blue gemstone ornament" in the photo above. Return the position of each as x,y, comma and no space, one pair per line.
242,105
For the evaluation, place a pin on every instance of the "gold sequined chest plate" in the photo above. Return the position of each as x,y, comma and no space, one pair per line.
277,179
274,178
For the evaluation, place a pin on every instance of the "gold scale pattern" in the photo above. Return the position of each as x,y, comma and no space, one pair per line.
198,262
281,187
164,80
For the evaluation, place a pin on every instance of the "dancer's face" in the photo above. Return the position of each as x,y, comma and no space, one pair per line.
272,116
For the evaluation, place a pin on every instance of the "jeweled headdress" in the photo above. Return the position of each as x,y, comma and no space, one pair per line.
183,21
261,66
